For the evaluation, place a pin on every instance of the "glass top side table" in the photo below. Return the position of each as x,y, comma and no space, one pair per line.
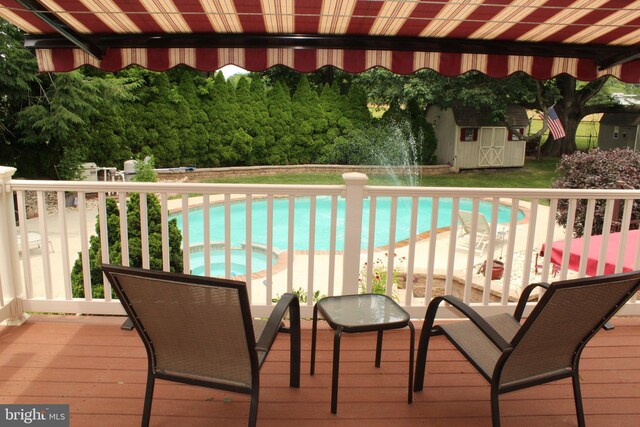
359,313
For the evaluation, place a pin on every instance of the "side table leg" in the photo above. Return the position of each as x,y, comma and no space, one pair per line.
379,349
411,349
314,330
336,369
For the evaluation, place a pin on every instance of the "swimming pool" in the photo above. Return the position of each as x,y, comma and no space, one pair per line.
237,260
323,221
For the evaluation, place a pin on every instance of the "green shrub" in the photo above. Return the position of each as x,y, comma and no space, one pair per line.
145,170
302,295
596,169
135,244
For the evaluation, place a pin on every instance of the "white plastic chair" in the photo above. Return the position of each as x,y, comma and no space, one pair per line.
34,240
483,230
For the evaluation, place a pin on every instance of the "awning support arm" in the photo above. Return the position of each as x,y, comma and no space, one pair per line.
62,28
620,58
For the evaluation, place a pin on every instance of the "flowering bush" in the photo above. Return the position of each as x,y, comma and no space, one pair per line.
379,276
596,169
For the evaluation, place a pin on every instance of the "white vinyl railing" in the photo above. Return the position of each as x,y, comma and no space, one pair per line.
401,248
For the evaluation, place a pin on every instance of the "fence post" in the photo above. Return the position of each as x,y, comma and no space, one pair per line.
11,311
354,183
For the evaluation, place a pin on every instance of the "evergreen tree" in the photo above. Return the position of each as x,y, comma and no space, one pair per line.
281,114
310,125
262,134
19,84
357,105
164,116
246,128
335,107
60,121
135,244
195,130
330,101
327,75
423,134
220,108
106,143
152,125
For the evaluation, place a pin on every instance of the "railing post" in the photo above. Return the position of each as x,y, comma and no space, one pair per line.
354,182
11,309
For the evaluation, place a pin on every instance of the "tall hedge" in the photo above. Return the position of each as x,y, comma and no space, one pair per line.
185,118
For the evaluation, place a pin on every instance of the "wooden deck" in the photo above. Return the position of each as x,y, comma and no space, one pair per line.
100,370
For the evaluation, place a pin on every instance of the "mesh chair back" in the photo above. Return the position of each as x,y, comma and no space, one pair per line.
196,328
566,317
466,219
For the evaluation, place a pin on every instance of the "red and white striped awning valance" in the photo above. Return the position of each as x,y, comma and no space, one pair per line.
584,38
308,60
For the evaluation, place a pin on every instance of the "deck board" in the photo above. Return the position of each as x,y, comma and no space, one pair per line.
100,370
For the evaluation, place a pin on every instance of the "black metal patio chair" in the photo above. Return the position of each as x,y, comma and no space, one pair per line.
200,331
545,347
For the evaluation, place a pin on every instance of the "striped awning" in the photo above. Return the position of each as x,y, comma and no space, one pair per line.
544,38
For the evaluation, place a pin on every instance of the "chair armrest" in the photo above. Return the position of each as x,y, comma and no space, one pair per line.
476,319
524,298
289,302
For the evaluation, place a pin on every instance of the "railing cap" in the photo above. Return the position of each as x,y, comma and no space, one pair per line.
355,178
6,172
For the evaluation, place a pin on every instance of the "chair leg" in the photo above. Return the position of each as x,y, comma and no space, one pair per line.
421,360
411,349
336,370
495,407
294,331
253,410
314,331
378,349
423,344
577,395
148,398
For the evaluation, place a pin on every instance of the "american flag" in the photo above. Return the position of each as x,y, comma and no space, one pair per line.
555,126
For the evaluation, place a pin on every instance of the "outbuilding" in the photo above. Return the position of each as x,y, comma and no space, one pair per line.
468,138
619,130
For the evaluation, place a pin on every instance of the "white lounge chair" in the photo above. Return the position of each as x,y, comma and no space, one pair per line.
34,241
483,230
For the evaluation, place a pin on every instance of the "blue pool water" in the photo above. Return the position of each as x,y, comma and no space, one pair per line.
323,221
237,262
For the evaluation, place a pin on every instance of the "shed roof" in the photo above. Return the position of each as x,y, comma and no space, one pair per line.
472,117
621,119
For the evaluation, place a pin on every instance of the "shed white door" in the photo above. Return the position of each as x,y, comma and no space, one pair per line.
492,146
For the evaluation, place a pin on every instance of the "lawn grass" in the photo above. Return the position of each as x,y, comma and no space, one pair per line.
535,174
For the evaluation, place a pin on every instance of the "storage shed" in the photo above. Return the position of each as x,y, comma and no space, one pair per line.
619,130
468,139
